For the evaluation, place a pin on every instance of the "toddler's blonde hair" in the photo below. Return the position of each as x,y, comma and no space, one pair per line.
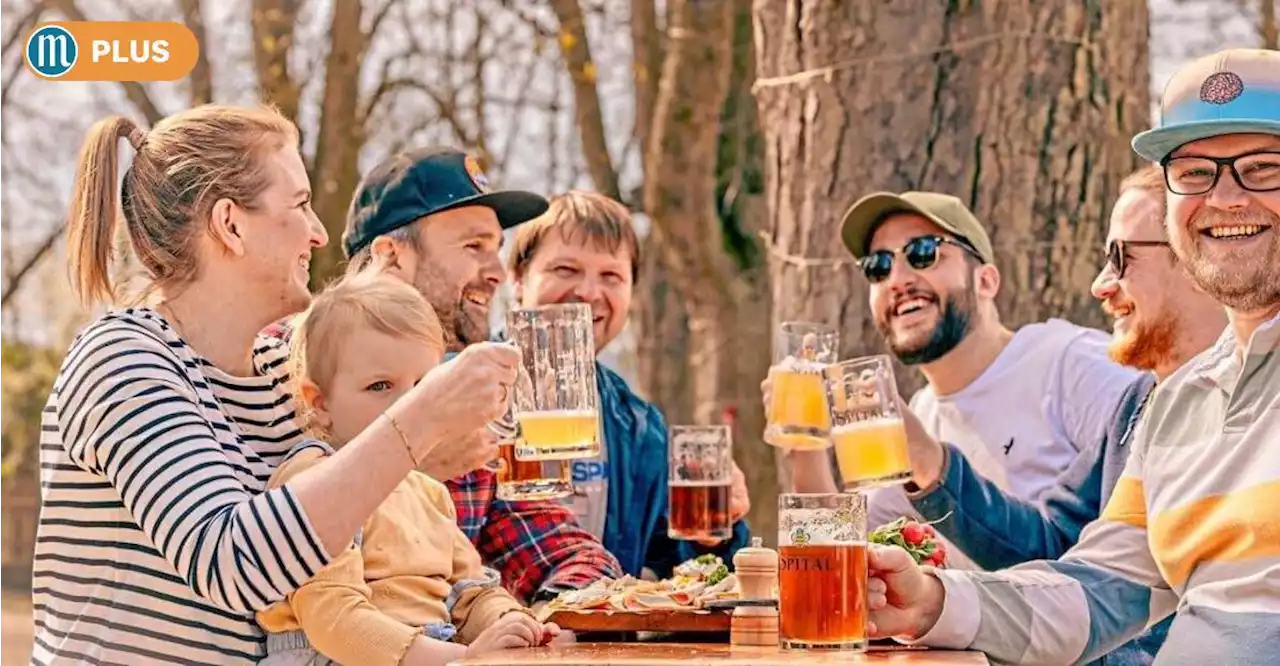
366,298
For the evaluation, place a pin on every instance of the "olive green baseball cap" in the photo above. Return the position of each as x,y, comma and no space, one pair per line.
944,210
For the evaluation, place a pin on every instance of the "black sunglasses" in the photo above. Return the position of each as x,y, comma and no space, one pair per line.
1117,254
921,253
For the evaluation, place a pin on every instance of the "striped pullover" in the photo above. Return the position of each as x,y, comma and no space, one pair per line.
157,538
1193,525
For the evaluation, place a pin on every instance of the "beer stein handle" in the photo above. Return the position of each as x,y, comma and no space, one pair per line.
506,427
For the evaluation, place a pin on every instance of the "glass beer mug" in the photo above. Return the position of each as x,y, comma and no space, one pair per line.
867,432
797,411
822,571
553,409
701,475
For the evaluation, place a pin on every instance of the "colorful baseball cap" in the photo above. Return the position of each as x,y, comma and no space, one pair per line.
1230,92
944,210
417,183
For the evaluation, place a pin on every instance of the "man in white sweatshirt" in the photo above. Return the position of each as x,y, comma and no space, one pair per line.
1021,404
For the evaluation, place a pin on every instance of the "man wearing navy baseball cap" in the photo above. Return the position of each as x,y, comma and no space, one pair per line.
1191,529
432,216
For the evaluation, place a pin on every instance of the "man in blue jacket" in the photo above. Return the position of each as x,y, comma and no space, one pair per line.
584,249
1161,322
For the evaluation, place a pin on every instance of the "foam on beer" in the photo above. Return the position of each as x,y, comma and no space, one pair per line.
797,364
875,423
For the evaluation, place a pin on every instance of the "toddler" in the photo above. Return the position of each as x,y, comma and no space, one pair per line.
411,588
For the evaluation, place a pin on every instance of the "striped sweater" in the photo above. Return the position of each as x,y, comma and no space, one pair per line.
157,538
1192,525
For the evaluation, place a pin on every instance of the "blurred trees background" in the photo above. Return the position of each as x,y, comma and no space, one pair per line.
739,132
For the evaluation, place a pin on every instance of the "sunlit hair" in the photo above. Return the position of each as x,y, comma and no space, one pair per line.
183,166
1148,180
368,298
578,216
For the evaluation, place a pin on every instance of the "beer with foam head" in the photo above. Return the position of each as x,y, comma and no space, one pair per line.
822,571
797,412
871,452
867,432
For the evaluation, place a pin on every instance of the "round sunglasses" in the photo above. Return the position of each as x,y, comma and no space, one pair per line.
920,252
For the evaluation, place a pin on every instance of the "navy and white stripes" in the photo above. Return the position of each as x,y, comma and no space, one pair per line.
157,541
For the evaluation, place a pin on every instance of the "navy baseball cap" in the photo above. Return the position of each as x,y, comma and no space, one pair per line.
425,181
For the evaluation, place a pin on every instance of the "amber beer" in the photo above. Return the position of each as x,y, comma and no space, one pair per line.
822,596
558,434
822,571
872,452
531,479
867,430
700,510
798,417
699,478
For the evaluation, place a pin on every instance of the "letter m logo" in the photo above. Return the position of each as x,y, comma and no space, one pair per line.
51,51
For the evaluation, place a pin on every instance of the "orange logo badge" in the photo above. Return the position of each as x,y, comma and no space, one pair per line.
477,174
111,51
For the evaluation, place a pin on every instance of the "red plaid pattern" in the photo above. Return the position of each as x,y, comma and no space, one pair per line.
534,546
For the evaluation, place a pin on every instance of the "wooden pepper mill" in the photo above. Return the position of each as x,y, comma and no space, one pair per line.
755,616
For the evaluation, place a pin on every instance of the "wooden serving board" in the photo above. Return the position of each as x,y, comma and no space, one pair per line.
646,620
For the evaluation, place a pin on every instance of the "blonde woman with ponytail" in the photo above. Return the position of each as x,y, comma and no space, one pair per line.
158,537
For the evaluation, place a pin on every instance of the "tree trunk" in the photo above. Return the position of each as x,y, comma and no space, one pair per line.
1024,110
273,23
201,83
680,178
646,66
576,51
335,172
1268,28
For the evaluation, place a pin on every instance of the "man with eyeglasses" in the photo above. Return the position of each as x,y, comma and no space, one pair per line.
1192,526
1018,406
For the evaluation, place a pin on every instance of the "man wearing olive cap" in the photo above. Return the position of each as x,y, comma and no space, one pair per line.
1014,407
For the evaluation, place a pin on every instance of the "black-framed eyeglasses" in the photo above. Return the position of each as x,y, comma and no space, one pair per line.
1193,174
1118,253
921,252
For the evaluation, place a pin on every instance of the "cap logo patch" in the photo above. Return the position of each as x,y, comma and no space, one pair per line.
477,174
1221,87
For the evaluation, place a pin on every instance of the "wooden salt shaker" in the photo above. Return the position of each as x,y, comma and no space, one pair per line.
755,617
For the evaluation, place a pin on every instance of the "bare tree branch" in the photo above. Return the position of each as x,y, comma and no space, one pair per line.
21,27
380,16
15,278
135,91
201,76
576,52
477,81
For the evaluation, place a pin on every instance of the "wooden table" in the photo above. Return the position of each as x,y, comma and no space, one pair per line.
684,654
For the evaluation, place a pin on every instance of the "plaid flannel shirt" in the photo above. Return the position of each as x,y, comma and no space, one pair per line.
537,547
